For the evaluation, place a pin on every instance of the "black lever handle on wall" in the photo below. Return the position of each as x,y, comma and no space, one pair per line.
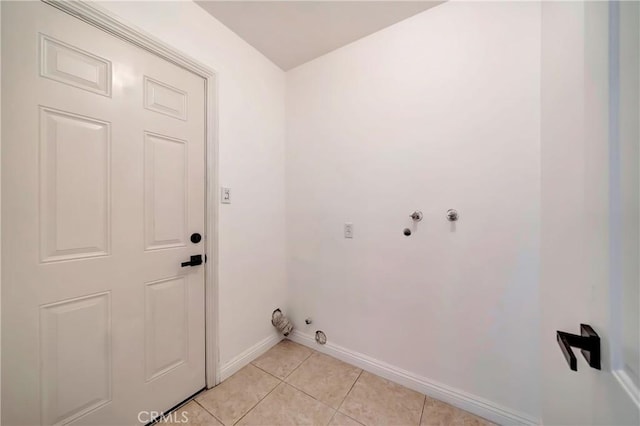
589,343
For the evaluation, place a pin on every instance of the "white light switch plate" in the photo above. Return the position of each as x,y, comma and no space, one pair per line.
348,230
225,195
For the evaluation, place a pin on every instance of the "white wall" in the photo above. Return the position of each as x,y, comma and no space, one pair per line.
251,139
439,111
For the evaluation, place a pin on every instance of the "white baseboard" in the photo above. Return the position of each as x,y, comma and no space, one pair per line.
249,355
463,400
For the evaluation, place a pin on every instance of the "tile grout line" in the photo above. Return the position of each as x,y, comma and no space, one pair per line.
256,404
205,409
309,395
349,417
424,403
333,417
299,365
253,406
278,378
335,410
269,393
298,389
264,371
314,398
353,419
350,389
283,381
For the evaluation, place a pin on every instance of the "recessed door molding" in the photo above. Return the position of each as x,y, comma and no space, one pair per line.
112,24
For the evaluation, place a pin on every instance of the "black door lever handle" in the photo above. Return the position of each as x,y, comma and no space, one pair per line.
195,261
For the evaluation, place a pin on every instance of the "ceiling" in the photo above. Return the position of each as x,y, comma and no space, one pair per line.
291,33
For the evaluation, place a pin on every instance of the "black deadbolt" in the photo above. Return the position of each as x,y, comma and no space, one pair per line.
196,238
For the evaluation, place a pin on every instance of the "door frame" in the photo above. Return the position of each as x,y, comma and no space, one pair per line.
106,21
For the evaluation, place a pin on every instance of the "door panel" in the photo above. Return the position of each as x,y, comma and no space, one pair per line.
166,335
165,191
103,163
74,195
82,324
70,65
164,99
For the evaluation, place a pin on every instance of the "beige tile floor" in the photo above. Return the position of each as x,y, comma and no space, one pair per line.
294,385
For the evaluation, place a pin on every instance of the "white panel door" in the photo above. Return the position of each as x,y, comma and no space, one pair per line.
103,174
